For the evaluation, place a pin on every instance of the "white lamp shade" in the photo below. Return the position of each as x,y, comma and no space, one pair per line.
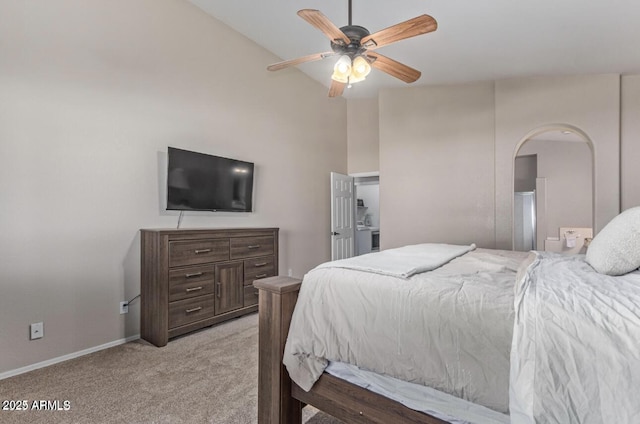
360,69
342,69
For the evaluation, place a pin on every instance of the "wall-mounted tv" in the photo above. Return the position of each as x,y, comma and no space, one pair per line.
202,182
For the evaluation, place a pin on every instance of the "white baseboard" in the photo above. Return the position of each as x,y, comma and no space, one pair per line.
63,358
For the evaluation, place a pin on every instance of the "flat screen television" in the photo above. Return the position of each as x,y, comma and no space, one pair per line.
202,182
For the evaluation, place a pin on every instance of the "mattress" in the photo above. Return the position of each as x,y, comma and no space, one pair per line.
449,329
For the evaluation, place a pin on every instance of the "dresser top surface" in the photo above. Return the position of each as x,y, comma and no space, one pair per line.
212,230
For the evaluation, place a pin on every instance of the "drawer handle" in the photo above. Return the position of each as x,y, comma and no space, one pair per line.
190,289
218,289
200,251
261,275
193,309
253,246
193,274
260,264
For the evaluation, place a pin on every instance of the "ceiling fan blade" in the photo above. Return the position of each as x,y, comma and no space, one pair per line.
336,88
318,20
393,68
303,59
422,24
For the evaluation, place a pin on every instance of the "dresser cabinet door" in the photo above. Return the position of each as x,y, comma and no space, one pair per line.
229,294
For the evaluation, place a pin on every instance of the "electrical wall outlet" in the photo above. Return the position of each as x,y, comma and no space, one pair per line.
124,308
36,330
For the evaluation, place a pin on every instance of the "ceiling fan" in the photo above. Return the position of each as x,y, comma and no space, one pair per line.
355,47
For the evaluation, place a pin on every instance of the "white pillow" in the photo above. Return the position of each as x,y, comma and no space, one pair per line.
615,250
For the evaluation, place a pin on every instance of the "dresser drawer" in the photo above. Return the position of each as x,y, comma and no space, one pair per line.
249,247
250,296
189,282
195,252
190,310
256,268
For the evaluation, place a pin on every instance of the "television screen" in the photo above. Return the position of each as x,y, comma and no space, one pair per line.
197,181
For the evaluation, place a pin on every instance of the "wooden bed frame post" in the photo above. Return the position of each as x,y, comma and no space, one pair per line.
277,299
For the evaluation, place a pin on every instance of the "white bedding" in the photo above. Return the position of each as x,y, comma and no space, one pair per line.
576,344
404,261
449,329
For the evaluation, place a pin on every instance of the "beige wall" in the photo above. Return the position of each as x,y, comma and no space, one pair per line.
630,141
436,165
363,135
446,152
590,104
92,93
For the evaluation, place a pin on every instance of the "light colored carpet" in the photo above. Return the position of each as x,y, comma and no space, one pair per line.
210,376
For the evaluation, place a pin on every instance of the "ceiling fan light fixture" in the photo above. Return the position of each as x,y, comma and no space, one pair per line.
342,69
355,44
360,69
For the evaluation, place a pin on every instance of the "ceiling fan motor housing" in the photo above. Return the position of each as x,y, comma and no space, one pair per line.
355,34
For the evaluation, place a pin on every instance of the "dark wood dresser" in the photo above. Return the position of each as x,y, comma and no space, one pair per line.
194,278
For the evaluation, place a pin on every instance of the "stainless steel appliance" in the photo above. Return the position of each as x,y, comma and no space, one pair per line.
375,240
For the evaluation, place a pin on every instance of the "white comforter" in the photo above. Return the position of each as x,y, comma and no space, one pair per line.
403,261
576,344
449,329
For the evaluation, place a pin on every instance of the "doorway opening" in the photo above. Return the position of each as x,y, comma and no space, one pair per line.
553,200
367,189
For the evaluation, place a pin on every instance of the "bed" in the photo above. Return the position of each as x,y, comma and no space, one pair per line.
496,336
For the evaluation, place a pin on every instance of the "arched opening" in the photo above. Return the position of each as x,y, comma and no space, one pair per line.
554,190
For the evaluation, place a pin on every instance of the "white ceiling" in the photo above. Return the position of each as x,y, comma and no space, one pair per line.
475,40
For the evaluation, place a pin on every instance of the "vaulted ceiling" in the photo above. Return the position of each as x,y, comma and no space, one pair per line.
475,40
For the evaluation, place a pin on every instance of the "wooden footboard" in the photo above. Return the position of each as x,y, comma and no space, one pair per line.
276,301
280,400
